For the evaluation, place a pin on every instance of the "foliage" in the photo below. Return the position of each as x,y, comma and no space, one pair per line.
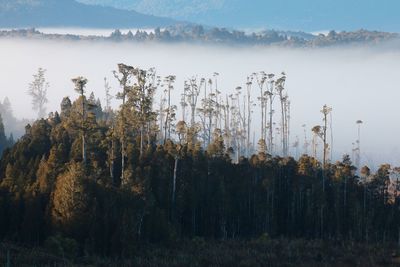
136,189
188,33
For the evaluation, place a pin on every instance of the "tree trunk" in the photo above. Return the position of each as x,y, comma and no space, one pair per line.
83,149
112,162
122,161
141,140
174,183
270,125
83,129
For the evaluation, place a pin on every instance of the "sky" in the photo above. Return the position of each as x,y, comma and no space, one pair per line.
358,83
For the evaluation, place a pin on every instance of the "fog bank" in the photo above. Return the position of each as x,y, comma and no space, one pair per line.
359,83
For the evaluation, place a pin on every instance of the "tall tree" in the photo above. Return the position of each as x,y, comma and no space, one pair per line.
140,99
124,76
325,112
263,98
270,92
171,109
358,142
249,84
280,86
192,90
80,84
108,98
38,91
321,131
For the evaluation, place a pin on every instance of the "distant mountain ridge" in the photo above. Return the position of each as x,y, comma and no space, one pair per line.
183,9
303,15
69,13
220,36
296,15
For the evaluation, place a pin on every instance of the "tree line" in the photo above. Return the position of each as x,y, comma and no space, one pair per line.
220,36
104,181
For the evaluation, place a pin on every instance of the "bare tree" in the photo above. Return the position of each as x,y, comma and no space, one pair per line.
296,145
261,79
271,97
184,104
321,132
162,115
171,109
111,133
192,90
316,133
249,113
280,86
226,109
237,123
38,91
325,111
108,99
306,143
215,96
358,142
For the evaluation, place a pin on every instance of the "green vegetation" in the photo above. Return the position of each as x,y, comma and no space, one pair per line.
197,34
127,183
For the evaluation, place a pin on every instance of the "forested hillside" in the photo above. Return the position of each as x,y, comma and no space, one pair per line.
90,180
69,13
197,34
305,15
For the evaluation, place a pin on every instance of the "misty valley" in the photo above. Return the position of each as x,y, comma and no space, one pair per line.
199,133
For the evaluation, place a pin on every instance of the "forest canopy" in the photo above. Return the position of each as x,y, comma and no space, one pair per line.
106,181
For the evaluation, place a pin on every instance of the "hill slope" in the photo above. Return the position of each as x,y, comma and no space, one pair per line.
69,13
305,15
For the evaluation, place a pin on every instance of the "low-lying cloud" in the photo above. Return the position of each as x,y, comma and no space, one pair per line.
359,83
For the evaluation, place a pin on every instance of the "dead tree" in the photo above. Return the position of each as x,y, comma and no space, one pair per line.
358,142
321,132
280,86
271,96
249,113
261,79
108,98
306,143
170,111
38,91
